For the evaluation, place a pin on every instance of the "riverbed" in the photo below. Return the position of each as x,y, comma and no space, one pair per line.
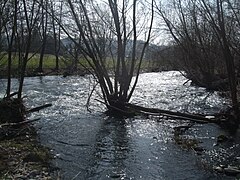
92,145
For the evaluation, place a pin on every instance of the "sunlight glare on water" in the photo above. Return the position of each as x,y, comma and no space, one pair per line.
168,91
95,146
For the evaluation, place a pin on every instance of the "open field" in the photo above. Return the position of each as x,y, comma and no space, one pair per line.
49,61
49,64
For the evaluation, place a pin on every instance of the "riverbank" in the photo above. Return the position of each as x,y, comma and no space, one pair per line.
21,154
23,157
30,72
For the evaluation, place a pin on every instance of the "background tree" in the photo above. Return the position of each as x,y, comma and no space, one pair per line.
44,29
56,29
22,18
30,14
219,25
3,21
195,43
10,30
206,41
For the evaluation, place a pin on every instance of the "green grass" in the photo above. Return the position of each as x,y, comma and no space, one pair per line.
49,61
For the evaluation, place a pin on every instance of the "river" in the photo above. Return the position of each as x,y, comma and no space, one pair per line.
95,146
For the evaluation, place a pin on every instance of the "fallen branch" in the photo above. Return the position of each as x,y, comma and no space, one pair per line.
13,94
178,115
131,109
89,97
38,108
19,123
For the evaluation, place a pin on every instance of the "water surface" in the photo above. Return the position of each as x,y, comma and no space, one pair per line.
95,146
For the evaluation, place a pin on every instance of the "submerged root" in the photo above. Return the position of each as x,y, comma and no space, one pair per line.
13,117
12,110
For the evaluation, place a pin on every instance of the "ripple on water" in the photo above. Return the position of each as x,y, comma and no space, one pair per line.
94,146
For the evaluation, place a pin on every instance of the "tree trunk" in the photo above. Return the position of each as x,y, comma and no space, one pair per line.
10,46
44,35
229,59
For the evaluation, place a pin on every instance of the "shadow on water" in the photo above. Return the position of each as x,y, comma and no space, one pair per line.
111,149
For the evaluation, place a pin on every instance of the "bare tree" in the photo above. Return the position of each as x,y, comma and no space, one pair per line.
44,28
30,15
194,40
13,7
56,30
3,21
207,35
123,29
219,26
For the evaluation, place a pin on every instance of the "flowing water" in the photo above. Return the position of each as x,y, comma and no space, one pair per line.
95,146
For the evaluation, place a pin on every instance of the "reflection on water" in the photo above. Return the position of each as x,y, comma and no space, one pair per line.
111,150
95,146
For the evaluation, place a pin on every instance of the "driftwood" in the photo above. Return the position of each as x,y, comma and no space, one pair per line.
172,114
38,108
224,120
19,123
131,109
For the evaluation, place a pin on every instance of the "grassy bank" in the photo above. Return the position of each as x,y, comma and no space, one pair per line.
49,64
65,65
49,61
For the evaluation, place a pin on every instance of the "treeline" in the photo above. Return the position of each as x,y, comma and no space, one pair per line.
206,37
206,41
23,25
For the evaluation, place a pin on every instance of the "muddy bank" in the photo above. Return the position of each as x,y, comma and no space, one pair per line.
21,154
24,157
